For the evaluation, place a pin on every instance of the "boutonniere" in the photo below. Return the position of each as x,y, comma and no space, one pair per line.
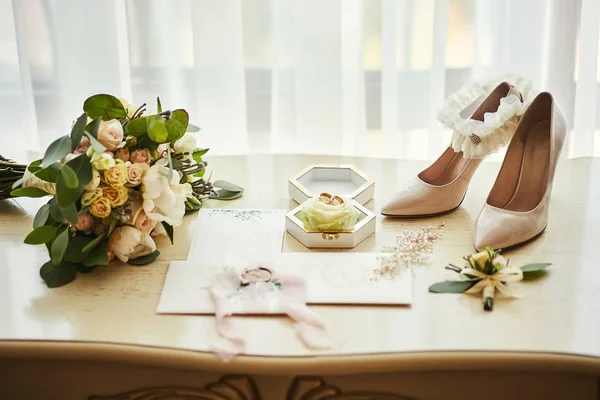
485,272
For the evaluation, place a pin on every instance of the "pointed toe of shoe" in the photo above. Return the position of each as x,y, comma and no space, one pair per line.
500,229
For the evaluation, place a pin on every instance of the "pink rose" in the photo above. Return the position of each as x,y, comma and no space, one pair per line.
135,174
83,145
143,223
84,222
141,156
110,134
122,154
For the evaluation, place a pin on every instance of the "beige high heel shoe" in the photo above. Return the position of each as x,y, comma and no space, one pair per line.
516,210
441,188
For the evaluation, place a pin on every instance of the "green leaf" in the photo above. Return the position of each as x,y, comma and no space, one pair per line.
230,187
56,151
48,174
169,230
83,169
226,195
35,166
451,286
92,245
198,154
192,128
92,127
55,211
83,269
97,257
77,131
58,275
177,165
98,147
157,130
158,105
177,124
112,227
170,162
29,192
70,213
59,246
534,267
193,204
137,127
75,253
41,216
69,177
104,106
144,259
531,275
40,235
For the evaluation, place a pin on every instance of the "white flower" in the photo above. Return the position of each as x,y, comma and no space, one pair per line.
128,243
322,216
129,109
93,184
163,199
34,181
187,144
102,161
110,134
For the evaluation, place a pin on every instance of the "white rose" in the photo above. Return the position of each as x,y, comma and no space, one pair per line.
163,199
34,181
187,144
110,134
322,216
102,161
93,184
127,243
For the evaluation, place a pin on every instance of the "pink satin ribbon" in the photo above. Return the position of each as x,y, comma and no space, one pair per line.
291,301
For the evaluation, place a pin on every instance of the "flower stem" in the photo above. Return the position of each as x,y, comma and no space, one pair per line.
488,304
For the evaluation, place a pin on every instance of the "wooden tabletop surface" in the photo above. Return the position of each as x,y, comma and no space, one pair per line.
116,304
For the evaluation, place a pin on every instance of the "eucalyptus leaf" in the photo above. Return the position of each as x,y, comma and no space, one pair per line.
137,127
197,155
530,275
83,169
177,165
112,227
104,106
157,130
225,195
451,286
40,235
169,230
69,177
55,211
230,187
192,128
59,246
77,131
92,127
98,147
92,245
83,269
41,216
29,191
75,253
144,259
70,213
58,275
35,166
99,256
48,174
534,267
177,124
56,151
158,105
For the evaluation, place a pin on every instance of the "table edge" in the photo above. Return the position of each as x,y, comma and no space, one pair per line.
306,365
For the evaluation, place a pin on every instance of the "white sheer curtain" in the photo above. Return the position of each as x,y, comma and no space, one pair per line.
352,77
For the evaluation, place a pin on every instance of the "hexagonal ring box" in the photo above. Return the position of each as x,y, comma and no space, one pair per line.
345,181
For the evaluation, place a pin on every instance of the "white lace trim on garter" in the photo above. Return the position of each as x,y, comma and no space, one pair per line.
477,139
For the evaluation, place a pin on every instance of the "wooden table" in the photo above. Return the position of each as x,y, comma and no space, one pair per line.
100,335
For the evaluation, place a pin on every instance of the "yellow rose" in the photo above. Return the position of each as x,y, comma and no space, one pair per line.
100,208
116,175
90,196
117,196
487,261
101,161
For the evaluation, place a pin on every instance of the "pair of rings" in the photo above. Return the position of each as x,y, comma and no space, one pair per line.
331,200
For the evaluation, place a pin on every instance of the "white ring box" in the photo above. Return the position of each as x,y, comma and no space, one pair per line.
341,180
334,239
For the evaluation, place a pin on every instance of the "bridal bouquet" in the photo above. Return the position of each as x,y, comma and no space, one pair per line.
122,177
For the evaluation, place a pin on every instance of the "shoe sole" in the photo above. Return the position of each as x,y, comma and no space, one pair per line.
426,215
517,245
